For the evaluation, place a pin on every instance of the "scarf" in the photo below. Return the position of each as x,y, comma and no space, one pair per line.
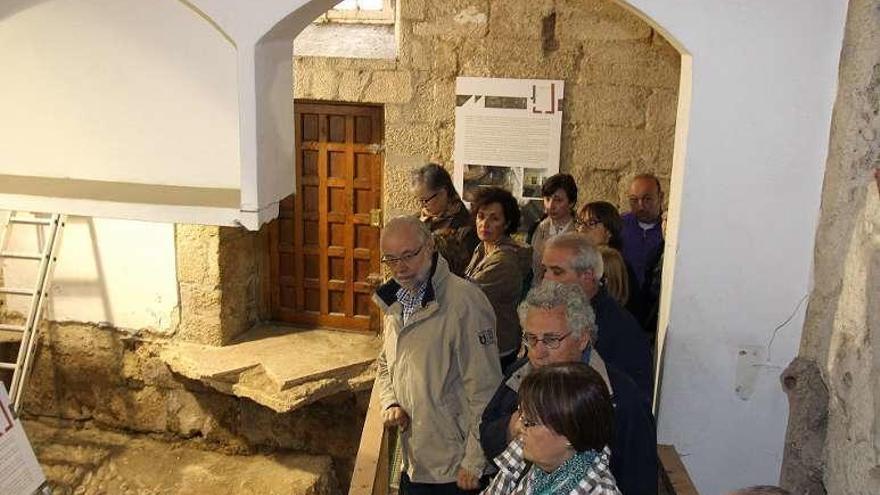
566,477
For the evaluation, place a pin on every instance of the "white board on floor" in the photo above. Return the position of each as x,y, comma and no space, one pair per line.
20,473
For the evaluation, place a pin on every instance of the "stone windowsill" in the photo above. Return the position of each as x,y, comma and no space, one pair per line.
344,40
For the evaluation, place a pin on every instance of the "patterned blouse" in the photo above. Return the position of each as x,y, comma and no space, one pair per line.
513,475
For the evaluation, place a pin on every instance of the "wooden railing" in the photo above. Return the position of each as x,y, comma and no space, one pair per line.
674,478
373,464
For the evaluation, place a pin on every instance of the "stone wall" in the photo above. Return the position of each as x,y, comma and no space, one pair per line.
621,81
113,380
843,318
219,271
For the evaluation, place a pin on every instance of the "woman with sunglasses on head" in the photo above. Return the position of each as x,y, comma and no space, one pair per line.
446,216
566,424
499,264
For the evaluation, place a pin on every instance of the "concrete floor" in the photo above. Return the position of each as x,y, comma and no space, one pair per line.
97,462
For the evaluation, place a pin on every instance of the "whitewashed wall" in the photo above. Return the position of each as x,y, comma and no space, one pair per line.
124,91
119,272
745,207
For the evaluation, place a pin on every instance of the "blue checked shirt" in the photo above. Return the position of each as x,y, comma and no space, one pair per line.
411,301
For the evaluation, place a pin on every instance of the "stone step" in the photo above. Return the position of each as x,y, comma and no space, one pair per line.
96,462
280,367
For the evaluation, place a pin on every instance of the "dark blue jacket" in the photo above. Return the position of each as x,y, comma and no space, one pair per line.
621,342
640,246
634,448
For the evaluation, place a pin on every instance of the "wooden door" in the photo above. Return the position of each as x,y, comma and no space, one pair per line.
327,246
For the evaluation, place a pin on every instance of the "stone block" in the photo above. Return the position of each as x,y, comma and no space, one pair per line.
138,410
613,149
445,142
602,105
197,248
598,20
353,84
661,110
666,149
389,87
412,10
302,80
640,51
455,19
651,75
596,185
411,139
519,19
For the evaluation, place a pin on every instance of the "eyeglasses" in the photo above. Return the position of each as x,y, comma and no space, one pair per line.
391,261
526,422
425,201
550,341
590,223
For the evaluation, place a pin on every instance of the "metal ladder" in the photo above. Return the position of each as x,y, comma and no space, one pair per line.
50,229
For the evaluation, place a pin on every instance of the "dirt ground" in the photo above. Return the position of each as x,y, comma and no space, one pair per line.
89,461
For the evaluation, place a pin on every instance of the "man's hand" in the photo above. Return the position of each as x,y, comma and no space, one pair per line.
395,416
467,480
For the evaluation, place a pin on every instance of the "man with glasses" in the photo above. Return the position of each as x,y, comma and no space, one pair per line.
571,258
439,362
642,236
559,327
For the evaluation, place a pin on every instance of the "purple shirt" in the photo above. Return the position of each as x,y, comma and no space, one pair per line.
639,245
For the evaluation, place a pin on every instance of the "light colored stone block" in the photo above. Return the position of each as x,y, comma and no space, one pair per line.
389,87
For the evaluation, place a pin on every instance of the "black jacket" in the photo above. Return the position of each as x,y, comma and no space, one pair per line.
634,448
622,343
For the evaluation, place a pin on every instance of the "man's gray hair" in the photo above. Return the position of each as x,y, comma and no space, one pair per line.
551,294
586,257
410,222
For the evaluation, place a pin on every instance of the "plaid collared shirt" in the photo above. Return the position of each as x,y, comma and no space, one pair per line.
513,475
411,301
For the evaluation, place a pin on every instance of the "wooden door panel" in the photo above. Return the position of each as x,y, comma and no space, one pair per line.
324,245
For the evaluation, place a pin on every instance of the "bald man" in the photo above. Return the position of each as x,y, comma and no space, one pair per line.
439,363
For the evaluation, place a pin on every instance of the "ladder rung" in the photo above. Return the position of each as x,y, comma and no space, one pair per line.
31,221
20,292
8,366
21,256
12,328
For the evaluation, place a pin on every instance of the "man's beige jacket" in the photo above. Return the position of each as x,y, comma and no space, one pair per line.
442,368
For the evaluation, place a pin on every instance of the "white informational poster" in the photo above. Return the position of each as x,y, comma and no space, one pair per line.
20,473
507,134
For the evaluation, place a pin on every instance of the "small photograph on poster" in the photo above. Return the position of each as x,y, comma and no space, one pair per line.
533,179
477,176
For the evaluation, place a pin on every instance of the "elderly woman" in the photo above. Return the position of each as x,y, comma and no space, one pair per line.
445,215
499,263
566,424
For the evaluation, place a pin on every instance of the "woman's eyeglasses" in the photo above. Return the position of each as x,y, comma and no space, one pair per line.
425,201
